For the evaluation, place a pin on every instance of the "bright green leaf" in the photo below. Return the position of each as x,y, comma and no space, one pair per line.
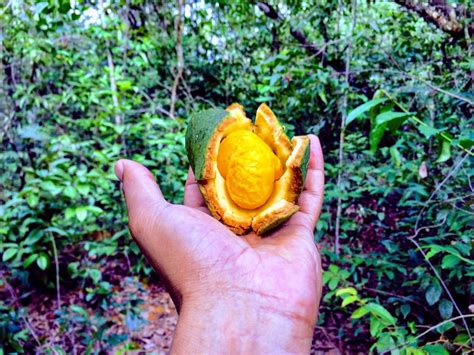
381,313
359,110
81,213
70,192
427,131
360,312
9,253
375,136
392,116
375,326
449,261
396,156
43,261
348,300
347,290
29,260
444,151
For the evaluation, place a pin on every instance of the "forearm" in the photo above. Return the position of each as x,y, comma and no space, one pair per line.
240,325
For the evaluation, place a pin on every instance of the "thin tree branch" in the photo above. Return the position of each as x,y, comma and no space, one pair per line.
443,16
337,64
402,346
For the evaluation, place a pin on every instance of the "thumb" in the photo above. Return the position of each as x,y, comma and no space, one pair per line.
143,196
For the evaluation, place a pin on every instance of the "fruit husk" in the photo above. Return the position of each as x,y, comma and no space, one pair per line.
204,134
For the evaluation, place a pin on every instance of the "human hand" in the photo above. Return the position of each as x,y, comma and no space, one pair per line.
241,294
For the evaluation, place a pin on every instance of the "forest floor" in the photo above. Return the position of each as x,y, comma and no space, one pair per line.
136,315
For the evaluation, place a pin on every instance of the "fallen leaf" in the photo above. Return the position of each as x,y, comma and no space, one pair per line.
423,171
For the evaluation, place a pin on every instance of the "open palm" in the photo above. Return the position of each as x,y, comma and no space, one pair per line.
200,259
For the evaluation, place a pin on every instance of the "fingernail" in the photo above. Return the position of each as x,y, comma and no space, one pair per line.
119,170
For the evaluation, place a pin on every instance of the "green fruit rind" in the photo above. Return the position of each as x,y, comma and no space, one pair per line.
305,161
201,128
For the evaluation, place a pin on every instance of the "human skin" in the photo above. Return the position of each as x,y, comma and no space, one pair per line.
249,294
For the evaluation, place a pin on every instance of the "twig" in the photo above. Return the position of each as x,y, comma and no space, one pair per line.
386,293
420,122
153,105
25,319
427,83
343,125
179,53
402,346
453,170
438,276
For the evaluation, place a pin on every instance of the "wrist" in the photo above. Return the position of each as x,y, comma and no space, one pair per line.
245,323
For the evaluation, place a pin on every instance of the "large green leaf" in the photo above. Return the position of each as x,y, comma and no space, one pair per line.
375,136
381,313
444,152
359,110
392,119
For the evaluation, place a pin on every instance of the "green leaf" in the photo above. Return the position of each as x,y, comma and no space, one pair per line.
69,213
95,275
427,131
349,300
347,290
449,261
83,188
70,192
462,338
443,328
432,294
435,349
9,253
445,308
375,326
51,187
466,143
124,85
381,313
81,213
405,309
396,156
32,200
396,119
375,136
360,312
333,283
362,109
43,261
444,151
29,260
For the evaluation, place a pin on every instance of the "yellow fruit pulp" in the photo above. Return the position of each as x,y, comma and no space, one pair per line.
249,167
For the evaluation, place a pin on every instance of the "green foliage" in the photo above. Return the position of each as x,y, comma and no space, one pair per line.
405,189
